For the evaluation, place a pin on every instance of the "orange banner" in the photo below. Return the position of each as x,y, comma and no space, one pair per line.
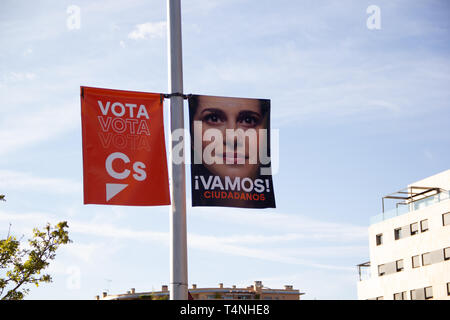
124,155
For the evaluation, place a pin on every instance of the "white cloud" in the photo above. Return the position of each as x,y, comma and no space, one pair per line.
293,226
14,180
386,105
27,52
315,283
428,155
111,231
148,30
282,247
89,252
24,128
215,244
18,76
29,217
204,7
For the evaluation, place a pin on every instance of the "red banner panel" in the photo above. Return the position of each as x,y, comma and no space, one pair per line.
124,155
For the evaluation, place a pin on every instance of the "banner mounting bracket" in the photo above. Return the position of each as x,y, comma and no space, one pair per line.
177,94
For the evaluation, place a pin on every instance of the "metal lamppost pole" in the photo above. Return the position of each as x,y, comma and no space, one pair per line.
178,241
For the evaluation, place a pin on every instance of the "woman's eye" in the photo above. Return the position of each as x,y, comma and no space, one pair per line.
249,120
212,117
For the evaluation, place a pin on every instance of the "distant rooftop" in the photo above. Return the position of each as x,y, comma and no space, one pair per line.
254,292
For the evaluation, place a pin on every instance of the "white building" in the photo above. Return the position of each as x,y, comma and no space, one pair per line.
410,244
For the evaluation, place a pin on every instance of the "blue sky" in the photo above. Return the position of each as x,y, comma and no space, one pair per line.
361,113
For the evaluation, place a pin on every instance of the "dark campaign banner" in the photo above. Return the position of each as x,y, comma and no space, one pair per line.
124,156
230,152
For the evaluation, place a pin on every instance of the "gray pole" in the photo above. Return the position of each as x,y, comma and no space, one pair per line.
178,242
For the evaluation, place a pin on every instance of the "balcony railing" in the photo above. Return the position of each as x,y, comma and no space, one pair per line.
416,205
364,271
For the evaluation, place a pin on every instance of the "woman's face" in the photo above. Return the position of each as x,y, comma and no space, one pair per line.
238,155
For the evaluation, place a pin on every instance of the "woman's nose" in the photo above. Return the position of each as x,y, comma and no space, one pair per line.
231,124
233,138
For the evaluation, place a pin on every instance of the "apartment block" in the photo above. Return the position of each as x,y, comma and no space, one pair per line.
410,244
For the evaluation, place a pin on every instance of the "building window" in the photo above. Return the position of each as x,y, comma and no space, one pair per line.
448,288
379,239
426,259
413,295
424,225
428,292
400,296
397,233
416,261
414,227
446,219
381,270
447,253
399,265
379,298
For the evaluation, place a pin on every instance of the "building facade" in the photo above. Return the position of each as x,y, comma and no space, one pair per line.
254,292
410,245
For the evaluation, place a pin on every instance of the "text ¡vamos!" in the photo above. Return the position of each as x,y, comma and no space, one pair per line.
236,184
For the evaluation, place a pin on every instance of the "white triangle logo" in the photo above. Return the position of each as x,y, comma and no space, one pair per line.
112,189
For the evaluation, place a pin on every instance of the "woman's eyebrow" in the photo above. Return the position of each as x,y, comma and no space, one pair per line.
213,110
250,112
